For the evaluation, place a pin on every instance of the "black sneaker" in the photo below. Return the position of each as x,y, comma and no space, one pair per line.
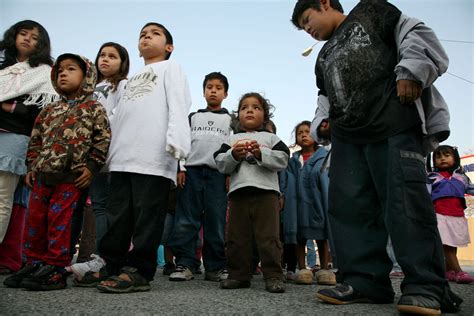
418,304
169,268
48,277
16,279
342,294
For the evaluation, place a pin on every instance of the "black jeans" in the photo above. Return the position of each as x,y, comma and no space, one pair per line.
136,211
377,190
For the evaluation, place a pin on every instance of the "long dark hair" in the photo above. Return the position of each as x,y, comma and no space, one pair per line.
42,52
295,132
124,64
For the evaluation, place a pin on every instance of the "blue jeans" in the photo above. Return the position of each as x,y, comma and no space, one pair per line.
311,253
202,202
99,193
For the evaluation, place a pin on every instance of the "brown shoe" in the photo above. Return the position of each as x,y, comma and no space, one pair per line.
234,284
274,285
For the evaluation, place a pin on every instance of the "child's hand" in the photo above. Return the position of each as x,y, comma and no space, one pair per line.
181,179
30,179
408,91
7,107
84,179
239,151
254,148
324,130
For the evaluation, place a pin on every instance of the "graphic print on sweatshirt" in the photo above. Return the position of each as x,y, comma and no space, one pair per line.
140,84
346,60
102,92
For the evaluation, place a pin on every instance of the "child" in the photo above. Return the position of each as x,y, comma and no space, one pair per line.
376,136
448,185
202,200
150,134
69,142
253,159
305,187
112,63
25,87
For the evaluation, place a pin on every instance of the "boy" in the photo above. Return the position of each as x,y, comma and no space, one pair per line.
151,133
202,200
253,158
69,142
377,185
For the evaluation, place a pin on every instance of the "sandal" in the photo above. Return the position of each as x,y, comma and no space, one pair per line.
137,282
90,280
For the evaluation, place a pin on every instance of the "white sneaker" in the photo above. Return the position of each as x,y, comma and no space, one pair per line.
94,265
181,273
304,276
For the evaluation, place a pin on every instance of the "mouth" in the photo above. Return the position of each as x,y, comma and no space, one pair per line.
25,45
249,117
104,66
314,34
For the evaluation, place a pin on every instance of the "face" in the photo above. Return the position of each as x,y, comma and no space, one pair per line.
70,77
214,93
109,61
251,114
444,161
25,43
317,23
303,137
152,44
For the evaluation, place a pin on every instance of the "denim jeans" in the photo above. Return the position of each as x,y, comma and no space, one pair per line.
311,253
202,202
99,193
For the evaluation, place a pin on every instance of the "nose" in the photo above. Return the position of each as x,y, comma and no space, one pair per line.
307,29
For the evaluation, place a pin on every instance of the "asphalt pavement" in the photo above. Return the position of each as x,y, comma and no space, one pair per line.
196,297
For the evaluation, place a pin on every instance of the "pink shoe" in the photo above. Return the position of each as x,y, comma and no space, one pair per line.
464,278
451,276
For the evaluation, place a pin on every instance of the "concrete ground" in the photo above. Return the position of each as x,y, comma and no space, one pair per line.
196,297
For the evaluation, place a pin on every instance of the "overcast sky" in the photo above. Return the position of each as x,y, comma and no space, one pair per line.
252,42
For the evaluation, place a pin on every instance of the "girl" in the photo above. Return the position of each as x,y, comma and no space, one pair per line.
448,185
305,185
253,159
112,63
25,87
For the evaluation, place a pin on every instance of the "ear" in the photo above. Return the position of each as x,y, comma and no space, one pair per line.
169,48
325,4
225,95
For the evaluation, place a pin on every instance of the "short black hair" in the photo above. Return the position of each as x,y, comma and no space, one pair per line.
303,5
82,64
169,37
218,76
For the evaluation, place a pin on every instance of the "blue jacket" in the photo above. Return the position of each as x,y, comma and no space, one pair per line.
305,189
455,186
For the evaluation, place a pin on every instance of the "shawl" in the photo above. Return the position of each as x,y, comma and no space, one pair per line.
22,79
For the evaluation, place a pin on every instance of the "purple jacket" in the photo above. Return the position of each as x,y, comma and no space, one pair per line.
456,186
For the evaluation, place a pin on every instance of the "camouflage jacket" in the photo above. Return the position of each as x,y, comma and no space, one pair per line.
70,134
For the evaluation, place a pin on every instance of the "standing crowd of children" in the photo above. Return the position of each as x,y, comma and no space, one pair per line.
156,174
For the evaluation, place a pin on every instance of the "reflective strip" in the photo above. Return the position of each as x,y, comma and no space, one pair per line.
412,155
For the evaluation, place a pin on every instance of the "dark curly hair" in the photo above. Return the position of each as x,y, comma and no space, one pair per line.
124,64
42,53
267,106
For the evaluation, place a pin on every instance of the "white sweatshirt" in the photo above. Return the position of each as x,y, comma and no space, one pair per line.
150,127
104,93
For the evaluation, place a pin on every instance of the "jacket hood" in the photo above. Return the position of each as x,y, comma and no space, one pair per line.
88,83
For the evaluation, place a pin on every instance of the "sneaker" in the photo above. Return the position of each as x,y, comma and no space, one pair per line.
94,265
397,275
304,276
341,294
274,285
181,274
16,279
290,276
48,277
216,276
451,276
325,277
464,278
169,268
234,284
418,304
